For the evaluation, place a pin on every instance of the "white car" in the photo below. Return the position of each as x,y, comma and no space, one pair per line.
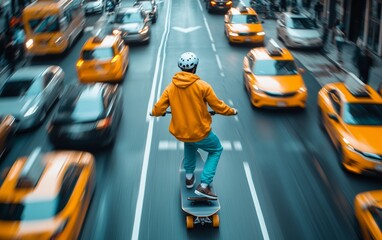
298,31
92,6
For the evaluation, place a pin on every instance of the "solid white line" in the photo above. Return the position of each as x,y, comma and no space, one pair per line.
222,74
208,29
146,157
200,6
256,202
213,47
155,78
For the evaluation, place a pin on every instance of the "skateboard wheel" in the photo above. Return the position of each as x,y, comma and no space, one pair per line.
215,221
190,222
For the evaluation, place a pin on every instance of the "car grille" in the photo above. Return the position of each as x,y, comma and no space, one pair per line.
248,34
280,95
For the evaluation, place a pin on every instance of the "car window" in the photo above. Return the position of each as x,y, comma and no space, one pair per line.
244,19
124,18
16,88
46,24
363,114
274,68
101,53
336,101
48,76
300,23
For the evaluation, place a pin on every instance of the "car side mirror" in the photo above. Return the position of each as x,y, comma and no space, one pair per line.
301,70
333,116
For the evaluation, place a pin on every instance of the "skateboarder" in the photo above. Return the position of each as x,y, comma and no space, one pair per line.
188,96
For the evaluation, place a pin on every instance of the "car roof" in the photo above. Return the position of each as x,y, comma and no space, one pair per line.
30,72
243,10
100,41
372,96
50,168
262,53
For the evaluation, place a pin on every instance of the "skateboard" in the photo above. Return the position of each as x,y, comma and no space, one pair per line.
199,210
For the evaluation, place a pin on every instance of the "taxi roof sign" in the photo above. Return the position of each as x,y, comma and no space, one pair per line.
273,48
355,86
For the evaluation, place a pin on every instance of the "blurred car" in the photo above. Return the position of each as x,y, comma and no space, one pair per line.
368,211
88,117
103,59
132,23
297,30
7,129
46,195
272,78
351,114
93,6
218,5
29,94
150,9
242,25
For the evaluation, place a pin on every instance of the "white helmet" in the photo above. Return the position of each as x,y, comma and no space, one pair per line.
188,60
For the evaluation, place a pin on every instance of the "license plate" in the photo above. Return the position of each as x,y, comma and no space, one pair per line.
281,104
248,39
99,68
378,168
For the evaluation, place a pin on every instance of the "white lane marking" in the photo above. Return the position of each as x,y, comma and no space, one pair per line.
186,30
181,145
236,118
200,6
89,28
230,102
237,146
213,47
167,145
158,60
226,145
208,29
146,157
256,202
219,63
222,74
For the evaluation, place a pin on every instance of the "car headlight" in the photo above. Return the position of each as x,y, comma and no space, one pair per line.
257,89
233,34
31,111
302,89
116,32
29,44
59,41
144,30
348,146
260,33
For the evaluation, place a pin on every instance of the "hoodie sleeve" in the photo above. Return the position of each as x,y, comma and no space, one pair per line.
163,103
216,104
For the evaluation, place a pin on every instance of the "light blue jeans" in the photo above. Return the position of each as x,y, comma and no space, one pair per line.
210,144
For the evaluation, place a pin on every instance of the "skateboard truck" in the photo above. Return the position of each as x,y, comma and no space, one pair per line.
202,220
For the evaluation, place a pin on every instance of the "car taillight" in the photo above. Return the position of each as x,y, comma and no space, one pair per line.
59,230
213,3
115,58
104,123
228,3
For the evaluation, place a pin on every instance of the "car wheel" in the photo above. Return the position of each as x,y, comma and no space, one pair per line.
155,18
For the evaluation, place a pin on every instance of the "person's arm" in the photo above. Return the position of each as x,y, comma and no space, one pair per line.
161,106
216,104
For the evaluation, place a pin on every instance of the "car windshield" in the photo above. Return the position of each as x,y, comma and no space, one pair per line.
123,18
48,24
86,1
28,211
240,19
376,212
15,88
363,114
274,68
98,53
300,23
87,108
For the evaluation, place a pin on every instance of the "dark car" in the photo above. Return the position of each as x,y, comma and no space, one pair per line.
88,117
150,8
218,5
132,23
29,94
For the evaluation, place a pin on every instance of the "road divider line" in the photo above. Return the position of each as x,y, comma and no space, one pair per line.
200,6
208,28
213,47
146,156
256,202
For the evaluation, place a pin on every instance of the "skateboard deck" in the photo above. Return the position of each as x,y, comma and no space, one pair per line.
201,209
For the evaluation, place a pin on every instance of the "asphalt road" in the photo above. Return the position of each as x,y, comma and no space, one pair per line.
278,177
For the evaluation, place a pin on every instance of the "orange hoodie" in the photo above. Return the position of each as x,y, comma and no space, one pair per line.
188,96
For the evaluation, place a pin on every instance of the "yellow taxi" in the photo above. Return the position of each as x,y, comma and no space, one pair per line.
351,114
46,195
242,25
272,78
103,59
368,211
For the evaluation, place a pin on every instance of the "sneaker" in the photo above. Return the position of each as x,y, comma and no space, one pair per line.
190,183
205,192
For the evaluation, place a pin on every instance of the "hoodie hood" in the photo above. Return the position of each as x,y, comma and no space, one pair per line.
184,79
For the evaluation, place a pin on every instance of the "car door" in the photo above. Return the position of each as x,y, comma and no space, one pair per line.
49,93
248,64
334,117
123,50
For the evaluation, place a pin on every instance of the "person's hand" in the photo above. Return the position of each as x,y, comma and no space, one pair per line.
235,112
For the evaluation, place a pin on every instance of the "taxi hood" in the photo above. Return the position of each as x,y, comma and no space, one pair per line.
184,79
366,138
280,84
245,27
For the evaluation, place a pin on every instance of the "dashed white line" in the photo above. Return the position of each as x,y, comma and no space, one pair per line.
237,146
200,6
208,29
226,145
219,63
256,202
213,47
